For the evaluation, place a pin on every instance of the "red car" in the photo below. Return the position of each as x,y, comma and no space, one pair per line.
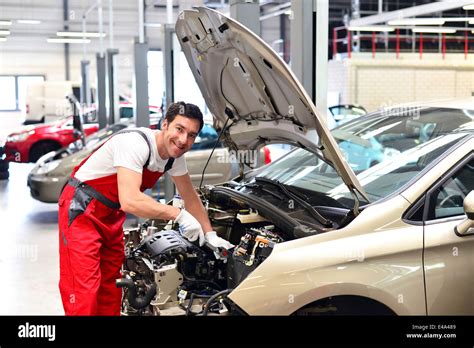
34,141
31,142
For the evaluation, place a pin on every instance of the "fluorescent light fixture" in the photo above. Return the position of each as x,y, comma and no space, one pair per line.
67,40
471,21
78,34
459,19
417,21
4,32
3,39
468,7
28,21
372,28
3,22
434,30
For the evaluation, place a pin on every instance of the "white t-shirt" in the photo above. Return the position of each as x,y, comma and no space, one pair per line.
128,150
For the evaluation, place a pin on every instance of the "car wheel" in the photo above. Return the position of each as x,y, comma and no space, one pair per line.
4,165
42,148
4,175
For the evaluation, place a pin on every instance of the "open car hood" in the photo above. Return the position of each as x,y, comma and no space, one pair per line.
243,79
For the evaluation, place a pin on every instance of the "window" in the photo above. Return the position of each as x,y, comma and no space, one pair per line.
186,88
447,200
156,78
14,88
8,95
126,112
206,138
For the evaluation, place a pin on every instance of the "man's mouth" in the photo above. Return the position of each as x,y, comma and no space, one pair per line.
179,147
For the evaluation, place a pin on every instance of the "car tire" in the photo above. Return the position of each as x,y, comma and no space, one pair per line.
42,148
4,175
4,165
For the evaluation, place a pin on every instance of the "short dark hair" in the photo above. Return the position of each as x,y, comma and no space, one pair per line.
184,109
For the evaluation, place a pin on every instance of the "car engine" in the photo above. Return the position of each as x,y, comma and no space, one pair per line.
165,274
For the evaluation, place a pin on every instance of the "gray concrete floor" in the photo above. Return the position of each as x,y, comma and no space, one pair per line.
29,243
29,262
29,257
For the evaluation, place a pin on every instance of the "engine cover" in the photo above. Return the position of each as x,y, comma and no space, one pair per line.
166,242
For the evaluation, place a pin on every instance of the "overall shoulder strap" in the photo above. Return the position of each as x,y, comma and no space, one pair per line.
144,137
169,164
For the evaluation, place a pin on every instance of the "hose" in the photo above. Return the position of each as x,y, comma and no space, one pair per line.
137,302
213,298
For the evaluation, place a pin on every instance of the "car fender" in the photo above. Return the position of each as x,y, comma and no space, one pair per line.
376,258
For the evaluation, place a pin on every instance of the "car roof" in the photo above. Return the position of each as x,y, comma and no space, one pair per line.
454,103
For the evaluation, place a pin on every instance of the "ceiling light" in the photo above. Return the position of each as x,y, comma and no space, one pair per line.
2,22
4,32
434,30
417,21
468,7
79,34
471,21
459,19
67,40
28,21
372,28
3,39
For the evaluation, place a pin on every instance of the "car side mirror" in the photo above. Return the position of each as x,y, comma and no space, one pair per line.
466,225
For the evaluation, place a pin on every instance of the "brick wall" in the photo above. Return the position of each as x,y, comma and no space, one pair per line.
385,81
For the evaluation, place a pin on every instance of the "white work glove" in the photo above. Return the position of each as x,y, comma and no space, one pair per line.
189,227
216,241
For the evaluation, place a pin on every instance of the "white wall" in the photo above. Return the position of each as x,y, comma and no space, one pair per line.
385,81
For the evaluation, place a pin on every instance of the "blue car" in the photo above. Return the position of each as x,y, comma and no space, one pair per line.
373,138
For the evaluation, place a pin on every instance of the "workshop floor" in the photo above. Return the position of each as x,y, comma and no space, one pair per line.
29,258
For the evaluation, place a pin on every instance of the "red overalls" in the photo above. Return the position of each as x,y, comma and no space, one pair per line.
91,248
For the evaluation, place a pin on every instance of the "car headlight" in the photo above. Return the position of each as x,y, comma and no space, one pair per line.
48,167
19,137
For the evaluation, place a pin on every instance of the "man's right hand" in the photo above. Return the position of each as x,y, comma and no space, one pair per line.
189,227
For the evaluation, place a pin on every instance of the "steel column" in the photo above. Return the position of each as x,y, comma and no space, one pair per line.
168,66
142,114
111,81
101,90
247,12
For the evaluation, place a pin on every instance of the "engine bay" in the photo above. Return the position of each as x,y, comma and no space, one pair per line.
165,274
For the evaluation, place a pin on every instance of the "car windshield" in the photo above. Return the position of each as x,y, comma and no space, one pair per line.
304,170
370,140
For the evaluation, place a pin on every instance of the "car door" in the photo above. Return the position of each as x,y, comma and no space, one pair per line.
448,257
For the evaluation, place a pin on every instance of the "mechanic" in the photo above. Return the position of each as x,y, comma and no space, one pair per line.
110,183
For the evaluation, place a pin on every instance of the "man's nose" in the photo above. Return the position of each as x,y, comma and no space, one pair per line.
183,138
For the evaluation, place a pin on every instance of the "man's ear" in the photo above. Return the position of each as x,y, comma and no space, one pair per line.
164,125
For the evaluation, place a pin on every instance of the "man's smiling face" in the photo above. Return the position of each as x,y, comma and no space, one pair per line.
179,135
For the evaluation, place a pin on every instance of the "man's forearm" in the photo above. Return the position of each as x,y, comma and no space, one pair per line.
195,207
146,207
